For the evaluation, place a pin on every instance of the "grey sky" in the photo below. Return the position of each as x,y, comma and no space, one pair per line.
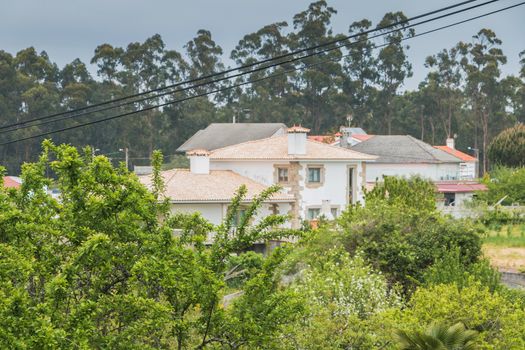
68,29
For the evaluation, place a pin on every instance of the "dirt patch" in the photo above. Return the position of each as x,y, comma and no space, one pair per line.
506,258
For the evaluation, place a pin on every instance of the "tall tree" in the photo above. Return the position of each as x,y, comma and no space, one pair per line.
481,62
361,72
445,79
392,65
318,85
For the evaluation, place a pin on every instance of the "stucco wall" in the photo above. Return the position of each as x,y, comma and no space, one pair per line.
334,188
216,212
261,172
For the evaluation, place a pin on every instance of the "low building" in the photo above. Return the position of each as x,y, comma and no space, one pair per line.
452,171
468,168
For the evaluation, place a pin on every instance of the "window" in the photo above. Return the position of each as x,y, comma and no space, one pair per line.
282,175
314,175
237,218
334,212
313,213
450,199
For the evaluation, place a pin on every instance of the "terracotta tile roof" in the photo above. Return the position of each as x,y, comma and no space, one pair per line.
361,137
460,186
322,138
217,186
9,182
277,148
198,152
458,154
298,129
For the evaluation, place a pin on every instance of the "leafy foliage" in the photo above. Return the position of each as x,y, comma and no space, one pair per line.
463,92
508,148
505,185
438,337
103,269
401,233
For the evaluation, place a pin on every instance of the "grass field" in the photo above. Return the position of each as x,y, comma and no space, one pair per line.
506,247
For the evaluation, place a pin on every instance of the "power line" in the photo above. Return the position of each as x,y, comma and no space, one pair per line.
244,83
243,66
24,125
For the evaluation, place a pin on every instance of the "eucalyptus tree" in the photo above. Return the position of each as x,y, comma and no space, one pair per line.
268,100
319,85
481,61
445,79
360,67
393,66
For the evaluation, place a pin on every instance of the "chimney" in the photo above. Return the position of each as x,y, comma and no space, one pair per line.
297,140
451,143
345,136
199,161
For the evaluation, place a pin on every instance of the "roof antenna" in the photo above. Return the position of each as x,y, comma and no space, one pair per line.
349,118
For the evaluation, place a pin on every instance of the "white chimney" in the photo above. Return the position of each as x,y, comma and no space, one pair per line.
451,143
297,140
199,161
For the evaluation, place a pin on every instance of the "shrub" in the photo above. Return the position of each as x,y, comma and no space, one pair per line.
498,320
508,148
402,241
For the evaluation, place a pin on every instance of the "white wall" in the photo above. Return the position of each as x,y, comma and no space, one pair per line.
261,172
334,187
434,172
467,170
216,212
213,212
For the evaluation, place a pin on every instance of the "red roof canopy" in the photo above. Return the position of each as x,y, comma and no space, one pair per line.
10,183
458,154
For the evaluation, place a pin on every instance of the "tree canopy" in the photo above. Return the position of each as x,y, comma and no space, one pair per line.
463,94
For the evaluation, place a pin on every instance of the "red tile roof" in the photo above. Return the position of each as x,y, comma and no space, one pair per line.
10,183
459,186
361,137
298,129
458,154
322,138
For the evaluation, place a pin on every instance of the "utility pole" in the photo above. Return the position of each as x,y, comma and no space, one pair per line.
126,156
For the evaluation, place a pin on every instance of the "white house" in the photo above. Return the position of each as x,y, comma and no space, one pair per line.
316,178
452,171
209,192
323,179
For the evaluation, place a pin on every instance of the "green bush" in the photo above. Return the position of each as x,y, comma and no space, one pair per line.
401,239
508,148
498,320
507,184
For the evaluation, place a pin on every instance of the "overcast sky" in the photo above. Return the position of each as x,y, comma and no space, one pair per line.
68,29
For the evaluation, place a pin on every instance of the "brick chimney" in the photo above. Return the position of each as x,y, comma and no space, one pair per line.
297,140
199,161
